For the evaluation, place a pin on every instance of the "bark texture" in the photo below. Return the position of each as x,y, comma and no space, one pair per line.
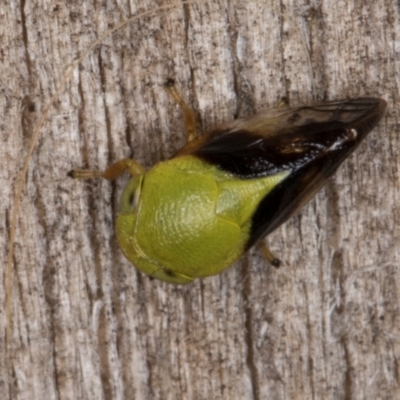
86,324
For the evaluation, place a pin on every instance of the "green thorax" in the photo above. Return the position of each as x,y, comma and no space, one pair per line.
187,219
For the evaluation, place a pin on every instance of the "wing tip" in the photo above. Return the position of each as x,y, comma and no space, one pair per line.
374,110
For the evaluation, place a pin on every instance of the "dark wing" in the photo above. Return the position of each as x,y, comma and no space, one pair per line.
310,141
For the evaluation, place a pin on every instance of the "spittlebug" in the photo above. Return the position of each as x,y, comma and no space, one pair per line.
193,215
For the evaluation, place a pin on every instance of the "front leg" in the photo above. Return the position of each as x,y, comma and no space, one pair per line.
112,172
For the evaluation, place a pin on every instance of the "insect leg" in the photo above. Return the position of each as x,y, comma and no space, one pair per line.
282,103
188,114
112,172
274,261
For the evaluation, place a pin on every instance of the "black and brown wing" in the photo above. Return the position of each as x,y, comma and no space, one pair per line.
310,141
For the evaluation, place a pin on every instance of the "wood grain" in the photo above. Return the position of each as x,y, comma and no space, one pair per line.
86,324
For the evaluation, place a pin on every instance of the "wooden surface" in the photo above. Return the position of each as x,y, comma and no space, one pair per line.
86,324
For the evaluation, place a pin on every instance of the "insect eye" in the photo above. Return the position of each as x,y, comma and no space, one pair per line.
130,195
131,198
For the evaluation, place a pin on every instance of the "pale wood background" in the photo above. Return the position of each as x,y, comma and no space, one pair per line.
86,324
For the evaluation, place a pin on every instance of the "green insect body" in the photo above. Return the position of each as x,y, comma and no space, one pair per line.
193,215
187,204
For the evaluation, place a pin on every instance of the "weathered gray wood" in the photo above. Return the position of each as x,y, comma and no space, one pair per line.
86,324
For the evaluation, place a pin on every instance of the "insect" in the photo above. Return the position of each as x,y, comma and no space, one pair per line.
193,215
